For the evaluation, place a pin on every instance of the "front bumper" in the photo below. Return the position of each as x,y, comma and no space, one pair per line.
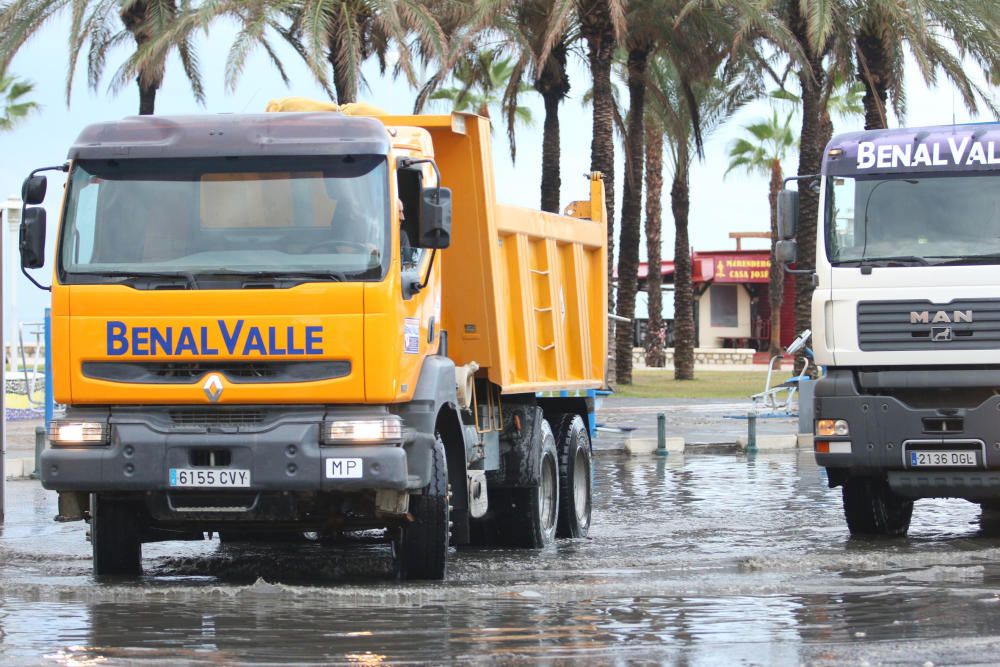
281,451
885,431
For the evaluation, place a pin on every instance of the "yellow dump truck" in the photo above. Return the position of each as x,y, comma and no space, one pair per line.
279,324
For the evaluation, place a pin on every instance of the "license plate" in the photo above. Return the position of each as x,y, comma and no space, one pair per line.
212,479
344,469
942,458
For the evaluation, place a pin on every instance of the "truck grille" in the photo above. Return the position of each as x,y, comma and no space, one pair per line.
237,372
963,324
220,418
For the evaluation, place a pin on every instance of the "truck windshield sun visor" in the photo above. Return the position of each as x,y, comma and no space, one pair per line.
925,219
270,222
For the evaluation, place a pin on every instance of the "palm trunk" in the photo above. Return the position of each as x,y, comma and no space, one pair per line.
134,20
874,75
553,85
345,83
345,86
595,26
654,218
628,248
684,332
776,275
551,181
810,157
147,98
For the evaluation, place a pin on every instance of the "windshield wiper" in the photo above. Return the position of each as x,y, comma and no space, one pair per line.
131,276
333,276
886,260
990,258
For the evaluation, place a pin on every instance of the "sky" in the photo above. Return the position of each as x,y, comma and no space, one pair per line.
720,204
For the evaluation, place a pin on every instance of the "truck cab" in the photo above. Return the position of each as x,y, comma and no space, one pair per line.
251,317
907,319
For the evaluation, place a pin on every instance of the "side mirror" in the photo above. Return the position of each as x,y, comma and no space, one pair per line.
33,190
788,214
435,219
32,240
786,252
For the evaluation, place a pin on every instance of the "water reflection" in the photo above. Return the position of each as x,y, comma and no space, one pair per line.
694,560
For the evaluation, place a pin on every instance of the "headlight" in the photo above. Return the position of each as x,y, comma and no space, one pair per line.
345,431
62,433
836,427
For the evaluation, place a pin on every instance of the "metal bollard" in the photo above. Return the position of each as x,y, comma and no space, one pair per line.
661,435
752,431
40,434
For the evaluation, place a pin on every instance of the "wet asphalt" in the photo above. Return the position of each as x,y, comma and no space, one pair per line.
699,559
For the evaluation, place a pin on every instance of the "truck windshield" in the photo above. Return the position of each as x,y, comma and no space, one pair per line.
317,217
905,221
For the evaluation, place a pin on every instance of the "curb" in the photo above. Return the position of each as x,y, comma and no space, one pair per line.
19,468
677,445
640,446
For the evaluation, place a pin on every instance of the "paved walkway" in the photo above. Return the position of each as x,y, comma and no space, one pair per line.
700,422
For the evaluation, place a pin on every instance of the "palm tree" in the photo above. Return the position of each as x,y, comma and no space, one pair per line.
342,34
339,36
525,27
96,22
655,332
817,38
763,152
15,108
687,111
926,27
602,26
483,77
645,20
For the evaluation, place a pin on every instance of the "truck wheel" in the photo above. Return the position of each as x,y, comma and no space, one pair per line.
115,536
528,516
573,447
422,551
871,508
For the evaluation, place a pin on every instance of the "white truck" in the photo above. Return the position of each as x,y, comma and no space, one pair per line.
906,315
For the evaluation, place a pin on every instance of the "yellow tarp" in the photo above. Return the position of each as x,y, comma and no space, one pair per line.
306,104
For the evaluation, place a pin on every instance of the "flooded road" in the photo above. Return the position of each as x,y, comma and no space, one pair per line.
709,559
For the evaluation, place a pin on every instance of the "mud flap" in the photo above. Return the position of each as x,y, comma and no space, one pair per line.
520,454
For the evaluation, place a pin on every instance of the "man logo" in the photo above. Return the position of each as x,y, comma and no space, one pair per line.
941,334
924,317
212,387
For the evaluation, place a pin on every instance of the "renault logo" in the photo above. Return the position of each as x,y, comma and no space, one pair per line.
213,387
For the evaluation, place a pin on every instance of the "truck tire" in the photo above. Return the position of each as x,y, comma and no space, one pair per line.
871,508
115,536
527,517
573,447
422,551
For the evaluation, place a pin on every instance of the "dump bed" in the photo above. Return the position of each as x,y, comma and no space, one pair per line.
524,292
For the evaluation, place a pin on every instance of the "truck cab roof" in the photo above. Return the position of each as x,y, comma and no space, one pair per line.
219,135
